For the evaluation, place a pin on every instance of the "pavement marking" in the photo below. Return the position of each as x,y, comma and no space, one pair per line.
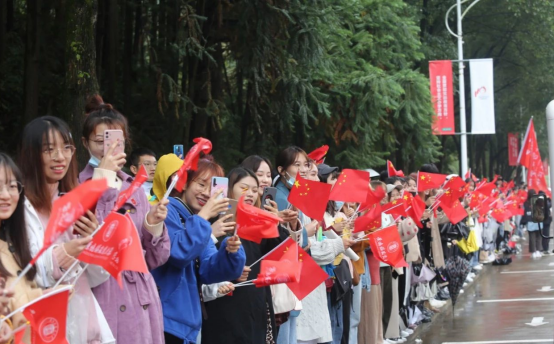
518,300
506,341
526,271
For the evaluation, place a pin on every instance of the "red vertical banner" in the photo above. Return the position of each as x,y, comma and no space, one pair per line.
513,148
440,75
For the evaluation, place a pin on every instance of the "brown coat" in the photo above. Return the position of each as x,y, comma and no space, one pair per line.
25,291
436,244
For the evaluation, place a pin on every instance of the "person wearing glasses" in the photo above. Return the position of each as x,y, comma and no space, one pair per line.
147,158
49,168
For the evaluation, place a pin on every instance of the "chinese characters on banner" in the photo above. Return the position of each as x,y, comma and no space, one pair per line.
513,148
440,74
530,157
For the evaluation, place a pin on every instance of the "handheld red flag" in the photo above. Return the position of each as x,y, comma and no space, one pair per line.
140,178
18,336
255,224
392,171
507,187
386,246
455,213
285,270
395,208
427,181
47,316
500,214
415,207
486,189
67,209
373,197
370,221
351,186
116,247
311,275
310,197
318,155
191,160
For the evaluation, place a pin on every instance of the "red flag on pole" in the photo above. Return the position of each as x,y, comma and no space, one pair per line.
395,208
513,148
311,275
351,186
318,155
370,221
415,207
455,213
373,197
255,224
427,181
47,316
392,171
116,247
310,197
530,157
67,209
191,160
486,189
386,246
140,178
285,270
440,77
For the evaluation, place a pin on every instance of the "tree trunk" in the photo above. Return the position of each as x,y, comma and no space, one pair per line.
3,27
138,37
80,77
32,48
111,50
127,56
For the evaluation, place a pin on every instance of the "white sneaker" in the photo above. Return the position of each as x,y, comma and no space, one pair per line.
461,290
404,334
539,254
469,280
409,331
436,303
478,267
471,275
464,285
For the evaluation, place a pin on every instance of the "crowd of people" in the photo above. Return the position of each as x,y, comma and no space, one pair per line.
196,259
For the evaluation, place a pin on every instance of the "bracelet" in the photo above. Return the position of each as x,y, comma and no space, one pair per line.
64,251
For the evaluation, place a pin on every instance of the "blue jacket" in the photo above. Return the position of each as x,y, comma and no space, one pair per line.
177,279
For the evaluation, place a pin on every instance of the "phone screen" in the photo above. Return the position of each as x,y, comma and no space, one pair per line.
220,183
178,150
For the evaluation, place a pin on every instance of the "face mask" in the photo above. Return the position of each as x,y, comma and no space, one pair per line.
290,181
338,205
94,161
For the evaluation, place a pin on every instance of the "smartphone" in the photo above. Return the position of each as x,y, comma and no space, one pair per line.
178,150
232,210
111,136
269,195
220,183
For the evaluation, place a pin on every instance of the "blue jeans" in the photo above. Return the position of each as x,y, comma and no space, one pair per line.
287,332
335,312
355,314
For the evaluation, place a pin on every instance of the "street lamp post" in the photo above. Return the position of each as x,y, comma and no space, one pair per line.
459,36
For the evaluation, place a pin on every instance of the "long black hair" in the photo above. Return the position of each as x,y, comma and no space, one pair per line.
13,230
236,175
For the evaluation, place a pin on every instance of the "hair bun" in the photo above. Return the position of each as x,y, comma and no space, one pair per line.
96,103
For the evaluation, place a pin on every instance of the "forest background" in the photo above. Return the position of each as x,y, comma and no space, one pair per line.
256,75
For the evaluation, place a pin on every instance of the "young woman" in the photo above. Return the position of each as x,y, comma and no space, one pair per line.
138,301
246,317
14,247
261,166
194,259
49,170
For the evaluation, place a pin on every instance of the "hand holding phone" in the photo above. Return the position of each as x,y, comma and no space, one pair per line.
269,195
179,151
111,136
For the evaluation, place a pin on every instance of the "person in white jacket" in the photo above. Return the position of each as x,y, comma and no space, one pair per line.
49,169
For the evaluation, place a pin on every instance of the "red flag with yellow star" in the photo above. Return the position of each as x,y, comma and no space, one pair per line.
370,221
486,188
311,275
310,197
351,186
318,155
500,213
373,197
455,213
395,208
392,171
415,207
427,181
255,224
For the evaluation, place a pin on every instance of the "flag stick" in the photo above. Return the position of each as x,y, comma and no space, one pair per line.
20,328
267,254
171,186
22,308
243,285
249,281
21,275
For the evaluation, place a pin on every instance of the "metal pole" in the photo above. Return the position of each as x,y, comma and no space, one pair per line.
463,137
550,128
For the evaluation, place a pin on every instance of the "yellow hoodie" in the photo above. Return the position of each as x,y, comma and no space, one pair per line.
167,165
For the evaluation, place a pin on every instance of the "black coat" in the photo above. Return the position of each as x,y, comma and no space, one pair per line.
242,318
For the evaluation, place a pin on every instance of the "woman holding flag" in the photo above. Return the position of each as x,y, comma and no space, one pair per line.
194,259
49,169
134,312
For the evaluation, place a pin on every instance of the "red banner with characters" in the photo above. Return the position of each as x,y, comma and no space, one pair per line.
513,148
440,75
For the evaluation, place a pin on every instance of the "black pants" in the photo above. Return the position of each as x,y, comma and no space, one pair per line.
346,307
545,232
171,339
386,287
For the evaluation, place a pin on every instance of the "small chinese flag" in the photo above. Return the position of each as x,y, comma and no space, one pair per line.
191,160
486,189
116,247
351,186
47,316
311,275
370,221
486,205
285,270
318,155
501,214
387,247
508,187
455,188
255,224
427,181
140,178
455,213
392,171
67,209
310,197
373,197
395,208
415,207
522,196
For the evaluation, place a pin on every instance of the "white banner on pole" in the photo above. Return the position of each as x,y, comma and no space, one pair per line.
482,96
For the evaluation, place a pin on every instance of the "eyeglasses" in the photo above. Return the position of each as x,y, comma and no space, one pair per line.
13,188
99,143
66,151
201,186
